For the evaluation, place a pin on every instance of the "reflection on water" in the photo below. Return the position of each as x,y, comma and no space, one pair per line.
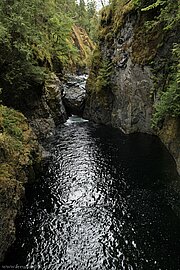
100,204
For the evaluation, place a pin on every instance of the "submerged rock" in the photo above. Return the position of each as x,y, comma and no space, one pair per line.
74,94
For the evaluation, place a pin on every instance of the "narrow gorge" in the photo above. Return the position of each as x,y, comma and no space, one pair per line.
90,135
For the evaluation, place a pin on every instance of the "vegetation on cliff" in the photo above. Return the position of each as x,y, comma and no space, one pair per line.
36,37
155,34
168,104
32,35
162,20
84,44
19,153
18,146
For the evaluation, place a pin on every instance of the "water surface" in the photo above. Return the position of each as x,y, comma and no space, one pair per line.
100,204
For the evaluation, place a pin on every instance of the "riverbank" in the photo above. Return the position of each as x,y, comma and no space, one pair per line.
20,158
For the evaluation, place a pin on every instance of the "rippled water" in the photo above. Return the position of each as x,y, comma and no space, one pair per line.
100,204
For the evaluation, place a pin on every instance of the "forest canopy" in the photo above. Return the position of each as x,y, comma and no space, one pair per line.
36,37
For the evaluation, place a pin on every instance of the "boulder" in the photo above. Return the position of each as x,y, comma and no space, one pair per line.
74,94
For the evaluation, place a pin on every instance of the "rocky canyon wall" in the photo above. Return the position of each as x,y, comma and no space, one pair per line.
130,69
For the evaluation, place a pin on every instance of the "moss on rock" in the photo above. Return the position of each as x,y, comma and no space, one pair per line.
19,152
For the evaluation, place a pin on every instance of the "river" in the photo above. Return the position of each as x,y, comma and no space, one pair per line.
100,204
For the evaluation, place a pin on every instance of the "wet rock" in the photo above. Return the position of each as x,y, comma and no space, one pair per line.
170,136
41,104
98,107
74,94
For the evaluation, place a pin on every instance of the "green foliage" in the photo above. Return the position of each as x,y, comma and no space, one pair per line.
169,102
157,17
168,14
137,3
87,17
93,20
32,34
104,73
10,122
36,35
154,5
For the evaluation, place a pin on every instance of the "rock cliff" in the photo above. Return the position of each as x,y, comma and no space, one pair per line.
42,105
132,66
170,135
46,112
19,159
20,152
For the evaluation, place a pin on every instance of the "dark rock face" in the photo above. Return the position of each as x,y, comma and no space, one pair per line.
42,105
170,135
11,193
128,98
131,92
48,111
74,94
98,107
132,105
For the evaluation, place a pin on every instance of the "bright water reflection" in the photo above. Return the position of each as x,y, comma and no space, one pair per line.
100,204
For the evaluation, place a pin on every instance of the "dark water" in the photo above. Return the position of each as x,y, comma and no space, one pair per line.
99,205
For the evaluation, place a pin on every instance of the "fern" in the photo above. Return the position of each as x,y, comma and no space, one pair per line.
169,102
154,5
104,74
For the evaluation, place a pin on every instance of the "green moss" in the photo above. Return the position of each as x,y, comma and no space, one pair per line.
95,65
17,143
105,23
99,79
122,8
146,44
12,125
155,21
103,76
113,17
